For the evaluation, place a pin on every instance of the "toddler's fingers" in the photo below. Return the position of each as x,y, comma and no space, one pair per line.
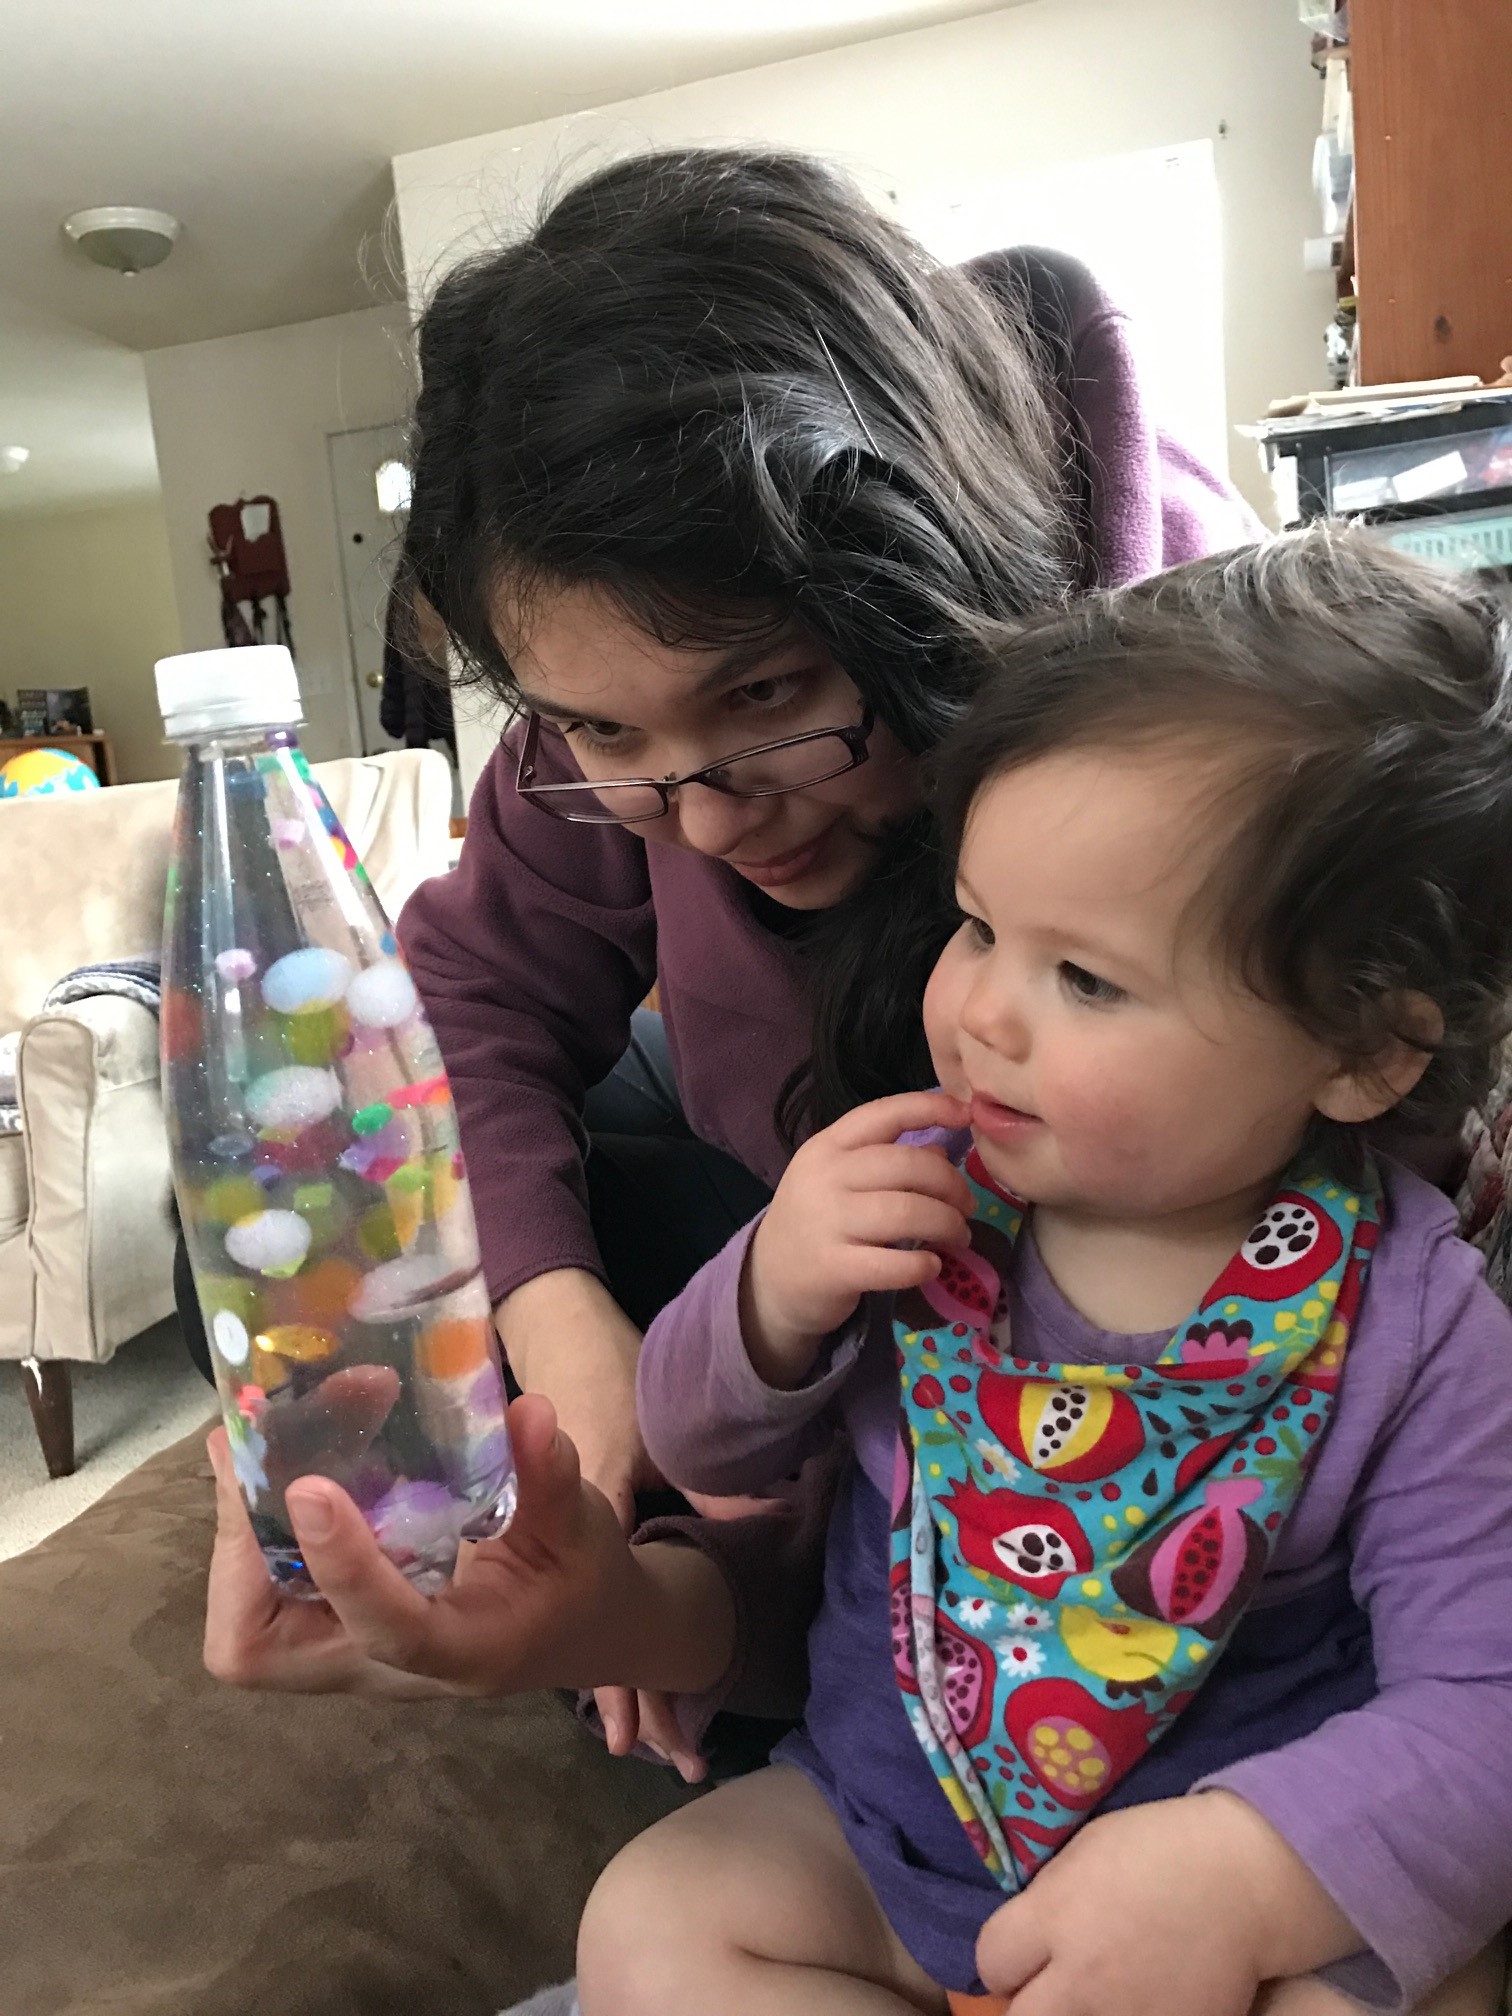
1011,1948
883,1120
899,1217
924,1170
873,1270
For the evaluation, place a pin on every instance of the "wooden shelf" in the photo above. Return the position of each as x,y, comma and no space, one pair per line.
95,750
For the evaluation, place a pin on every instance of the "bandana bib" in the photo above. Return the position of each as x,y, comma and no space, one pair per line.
1074,1544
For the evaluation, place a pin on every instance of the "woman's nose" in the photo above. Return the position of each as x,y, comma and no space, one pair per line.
711,822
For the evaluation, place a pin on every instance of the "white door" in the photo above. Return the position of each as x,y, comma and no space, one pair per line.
371,486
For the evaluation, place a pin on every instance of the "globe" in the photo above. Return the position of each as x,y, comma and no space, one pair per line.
45,773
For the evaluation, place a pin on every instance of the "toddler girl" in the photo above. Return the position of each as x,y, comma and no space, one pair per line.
1203,1479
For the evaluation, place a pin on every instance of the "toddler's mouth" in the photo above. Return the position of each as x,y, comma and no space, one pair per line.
997,1122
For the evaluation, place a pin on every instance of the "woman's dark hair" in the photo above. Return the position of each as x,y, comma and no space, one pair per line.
724,387
1364,704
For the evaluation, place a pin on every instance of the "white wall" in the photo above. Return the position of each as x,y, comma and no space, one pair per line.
87,600
241,415
928,117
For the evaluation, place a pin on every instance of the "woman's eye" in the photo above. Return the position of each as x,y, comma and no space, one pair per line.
1087,986
595,734
768,696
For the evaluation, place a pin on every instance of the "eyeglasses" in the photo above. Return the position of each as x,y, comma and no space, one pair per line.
764,772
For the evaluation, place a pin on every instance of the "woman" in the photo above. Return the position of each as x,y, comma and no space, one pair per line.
716,476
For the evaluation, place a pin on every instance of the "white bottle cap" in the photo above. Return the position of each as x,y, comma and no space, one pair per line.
217,692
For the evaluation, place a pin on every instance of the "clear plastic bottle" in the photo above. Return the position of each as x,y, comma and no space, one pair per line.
315,1148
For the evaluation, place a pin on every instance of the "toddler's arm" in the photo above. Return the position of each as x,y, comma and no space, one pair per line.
710,1423
736,1374
1402,1809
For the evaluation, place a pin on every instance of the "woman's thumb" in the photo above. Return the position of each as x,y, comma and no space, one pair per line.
546,1468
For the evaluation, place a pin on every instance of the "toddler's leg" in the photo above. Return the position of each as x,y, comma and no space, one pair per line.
748,1902
1476,1990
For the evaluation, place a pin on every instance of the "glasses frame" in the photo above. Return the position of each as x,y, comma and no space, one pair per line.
545,797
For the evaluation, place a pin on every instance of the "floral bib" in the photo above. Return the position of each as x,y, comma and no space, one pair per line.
1074,1544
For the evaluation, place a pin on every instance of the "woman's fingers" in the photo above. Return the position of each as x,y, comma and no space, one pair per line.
384,1616
659,1727
620,1714
243,1605
548,1479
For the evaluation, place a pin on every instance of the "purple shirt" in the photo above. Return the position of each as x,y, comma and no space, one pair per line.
1402,1804
534,953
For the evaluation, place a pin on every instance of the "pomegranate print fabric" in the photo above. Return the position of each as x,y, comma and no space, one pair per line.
1073,1544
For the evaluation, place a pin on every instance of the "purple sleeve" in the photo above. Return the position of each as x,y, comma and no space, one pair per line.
710,1424
531,957
1403,1809
1153,502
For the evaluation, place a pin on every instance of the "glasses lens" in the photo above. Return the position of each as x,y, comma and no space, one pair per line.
786,769
606,804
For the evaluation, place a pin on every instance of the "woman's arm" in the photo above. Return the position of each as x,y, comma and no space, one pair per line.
531,957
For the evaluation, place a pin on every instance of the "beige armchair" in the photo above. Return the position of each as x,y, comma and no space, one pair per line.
86,1224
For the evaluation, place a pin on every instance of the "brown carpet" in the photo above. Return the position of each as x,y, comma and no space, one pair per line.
171,1847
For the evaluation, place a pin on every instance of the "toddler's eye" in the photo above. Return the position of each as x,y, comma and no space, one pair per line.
1085,986
977,932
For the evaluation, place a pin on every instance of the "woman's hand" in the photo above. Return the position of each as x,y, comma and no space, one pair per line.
566,1336
551,1602
1179,1908
856,1212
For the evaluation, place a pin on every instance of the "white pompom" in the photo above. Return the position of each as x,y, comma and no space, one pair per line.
310,978
230,1334
296,1096
269,1242
382,997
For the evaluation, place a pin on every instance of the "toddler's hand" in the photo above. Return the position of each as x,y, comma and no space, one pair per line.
856,1212
1179,1908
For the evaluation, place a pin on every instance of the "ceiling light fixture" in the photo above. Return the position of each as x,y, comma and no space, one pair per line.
13,460
124,239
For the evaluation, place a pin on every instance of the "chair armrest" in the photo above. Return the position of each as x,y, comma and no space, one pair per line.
105,1040
100,1226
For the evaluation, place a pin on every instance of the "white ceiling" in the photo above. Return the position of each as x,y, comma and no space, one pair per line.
268,131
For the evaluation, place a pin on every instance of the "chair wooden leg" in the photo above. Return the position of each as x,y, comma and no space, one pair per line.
49,1390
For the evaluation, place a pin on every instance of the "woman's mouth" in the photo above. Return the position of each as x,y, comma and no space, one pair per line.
779,869
997,1122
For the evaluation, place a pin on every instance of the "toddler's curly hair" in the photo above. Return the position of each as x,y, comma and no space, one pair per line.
1366,848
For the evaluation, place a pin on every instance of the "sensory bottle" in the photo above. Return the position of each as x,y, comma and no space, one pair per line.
315,1150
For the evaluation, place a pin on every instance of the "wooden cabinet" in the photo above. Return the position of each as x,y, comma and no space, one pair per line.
1432,88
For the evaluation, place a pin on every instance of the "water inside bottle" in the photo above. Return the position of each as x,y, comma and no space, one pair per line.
320,1177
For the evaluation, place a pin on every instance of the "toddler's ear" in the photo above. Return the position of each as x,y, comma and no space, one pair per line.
1367,1091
